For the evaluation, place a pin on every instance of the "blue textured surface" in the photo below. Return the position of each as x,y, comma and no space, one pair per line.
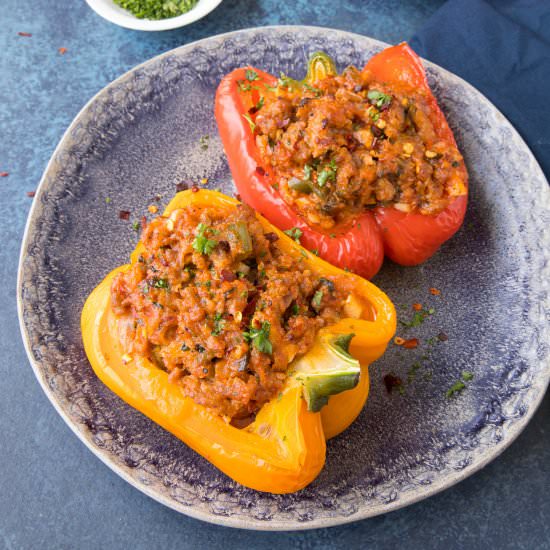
55,493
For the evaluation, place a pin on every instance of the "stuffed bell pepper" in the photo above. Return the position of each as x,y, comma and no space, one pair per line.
227,333
361,163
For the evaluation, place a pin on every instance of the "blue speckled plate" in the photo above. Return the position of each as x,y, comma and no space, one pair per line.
140,136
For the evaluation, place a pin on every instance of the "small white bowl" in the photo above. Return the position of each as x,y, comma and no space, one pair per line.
119,16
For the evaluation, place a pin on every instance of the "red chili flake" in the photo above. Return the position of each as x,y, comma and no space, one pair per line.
227,275
442,337
143,222
31,194
195,189
435,292
411,343
124,215
182,186
62,51
391,381
4,174
27,34
260,170
157,198
417,307
271,237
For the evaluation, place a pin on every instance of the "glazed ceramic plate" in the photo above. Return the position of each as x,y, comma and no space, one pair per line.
140,136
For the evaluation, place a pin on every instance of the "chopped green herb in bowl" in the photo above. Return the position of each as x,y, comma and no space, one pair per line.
152,15
156,9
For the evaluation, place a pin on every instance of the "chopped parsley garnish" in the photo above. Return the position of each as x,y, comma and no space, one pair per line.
219,324
457,387
136,225
295,309
260,104
243,85
251,75
159,283
378,98
202,243
467,376
185,347
317,299
294,233
327,174
107,200
259,337
307,171
251,123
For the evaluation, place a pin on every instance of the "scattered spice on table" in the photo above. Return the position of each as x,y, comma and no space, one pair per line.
181,186
442,337
124,215
153,208
27,34
435,291
31,194
4,174
62,51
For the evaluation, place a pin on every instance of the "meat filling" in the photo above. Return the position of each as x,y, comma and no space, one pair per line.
348,143
215,302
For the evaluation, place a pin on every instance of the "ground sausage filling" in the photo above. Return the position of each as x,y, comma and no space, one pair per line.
217,303
347,143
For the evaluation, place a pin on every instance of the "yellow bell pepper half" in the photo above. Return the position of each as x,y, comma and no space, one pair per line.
283,450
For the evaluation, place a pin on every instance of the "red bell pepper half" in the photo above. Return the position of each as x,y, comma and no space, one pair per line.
406,238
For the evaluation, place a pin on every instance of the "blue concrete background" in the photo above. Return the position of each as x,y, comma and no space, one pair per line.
53,492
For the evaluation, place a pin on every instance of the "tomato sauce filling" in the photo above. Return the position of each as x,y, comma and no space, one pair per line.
347,143
216,302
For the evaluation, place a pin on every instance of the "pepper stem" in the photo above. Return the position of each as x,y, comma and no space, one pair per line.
320,65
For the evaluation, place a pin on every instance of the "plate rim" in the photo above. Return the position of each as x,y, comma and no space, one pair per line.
538,388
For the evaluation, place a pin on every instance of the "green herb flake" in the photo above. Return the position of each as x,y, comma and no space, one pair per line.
379,98
316,300
159,283
294,233
136,226
456,388
295,309
259,337
243,85
204,142
202,244
219,324
108,200
251,123
260,104
251,75
467,375
185,347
